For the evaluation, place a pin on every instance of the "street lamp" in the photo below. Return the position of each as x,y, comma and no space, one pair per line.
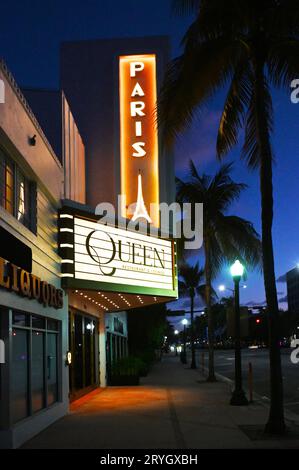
238,396
184,355
223,288
176,332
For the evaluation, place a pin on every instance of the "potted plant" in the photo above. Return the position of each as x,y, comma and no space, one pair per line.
126,371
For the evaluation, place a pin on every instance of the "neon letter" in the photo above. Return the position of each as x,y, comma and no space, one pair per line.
140,152
136,67
136,108
137,90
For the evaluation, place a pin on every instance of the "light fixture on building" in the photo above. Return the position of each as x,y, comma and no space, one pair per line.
32,140
68,358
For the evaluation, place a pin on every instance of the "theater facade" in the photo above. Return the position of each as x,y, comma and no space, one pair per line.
82,180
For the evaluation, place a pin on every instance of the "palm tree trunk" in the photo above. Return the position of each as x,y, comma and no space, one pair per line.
193,361
208,292
275,424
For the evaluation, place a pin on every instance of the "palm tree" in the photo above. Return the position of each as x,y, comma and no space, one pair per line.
190,286
249,46
225,237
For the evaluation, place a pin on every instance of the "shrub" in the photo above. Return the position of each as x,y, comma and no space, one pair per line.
129,365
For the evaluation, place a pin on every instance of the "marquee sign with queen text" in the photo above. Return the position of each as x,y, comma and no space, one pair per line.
97,256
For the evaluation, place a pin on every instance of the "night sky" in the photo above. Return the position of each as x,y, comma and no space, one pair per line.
30,35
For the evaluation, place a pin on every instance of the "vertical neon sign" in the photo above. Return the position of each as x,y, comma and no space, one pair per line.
138,133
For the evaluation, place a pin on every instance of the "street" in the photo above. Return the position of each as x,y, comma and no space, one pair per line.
224,365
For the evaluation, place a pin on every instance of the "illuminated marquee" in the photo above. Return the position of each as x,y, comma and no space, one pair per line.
138,135
97,255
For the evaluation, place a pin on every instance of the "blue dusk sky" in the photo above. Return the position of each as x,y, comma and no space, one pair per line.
30,35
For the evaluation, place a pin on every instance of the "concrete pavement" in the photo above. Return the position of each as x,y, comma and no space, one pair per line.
173,408
224,365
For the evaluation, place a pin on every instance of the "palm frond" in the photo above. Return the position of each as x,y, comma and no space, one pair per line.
236,104
189,192
183,289
202,181
217,18
190,279
217,254
283,62
223,190
239,240
261,97
210,65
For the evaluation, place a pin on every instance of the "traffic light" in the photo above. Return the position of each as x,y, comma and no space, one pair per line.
258,331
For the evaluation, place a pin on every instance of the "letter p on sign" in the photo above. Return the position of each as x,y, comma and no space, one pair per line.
136,67
2,92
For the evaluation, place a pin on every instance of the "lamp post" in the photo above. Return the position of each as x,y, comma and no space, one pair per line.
184,355
176,332
238,397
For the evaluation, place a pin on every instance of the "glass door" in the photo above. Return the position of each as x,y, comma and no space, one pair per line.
82,337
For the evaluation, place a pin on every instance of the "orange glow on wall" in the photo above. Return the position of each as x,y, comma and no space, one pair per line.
138,131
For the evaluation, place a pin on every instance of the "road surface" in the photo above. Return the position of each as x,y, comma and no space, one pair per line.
224,365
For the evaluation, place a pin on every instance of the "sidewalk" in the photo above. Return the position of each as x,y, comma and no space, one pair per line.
174,408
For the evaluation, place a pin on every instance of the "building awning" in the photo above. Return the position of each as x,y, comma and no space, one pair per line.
116,301
15,251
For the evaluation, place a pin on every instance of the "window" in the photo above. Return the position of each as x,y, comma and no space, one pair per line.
20,374
23,200
37,371
9,187
34,376
17,193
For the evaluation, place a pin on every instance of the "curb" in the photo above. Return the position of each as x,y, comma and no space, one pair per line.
289,415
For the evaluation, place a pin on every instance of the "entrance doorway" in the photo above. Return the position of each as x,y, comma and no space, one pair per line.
83,334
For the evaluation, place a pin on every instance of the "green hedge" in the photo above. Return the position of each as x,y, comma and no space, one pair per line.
130,365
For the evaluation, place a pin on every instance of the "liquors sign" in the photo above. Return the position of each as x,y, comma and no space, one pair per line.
28,285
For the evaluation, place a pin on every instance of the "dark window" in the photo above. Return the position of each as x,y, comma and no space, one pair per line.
34,375
38,322
19,383
37,371
15,251
52,324
21,319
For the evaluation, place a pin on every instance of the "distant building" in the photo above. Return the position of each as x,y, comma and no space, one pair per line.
293,289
